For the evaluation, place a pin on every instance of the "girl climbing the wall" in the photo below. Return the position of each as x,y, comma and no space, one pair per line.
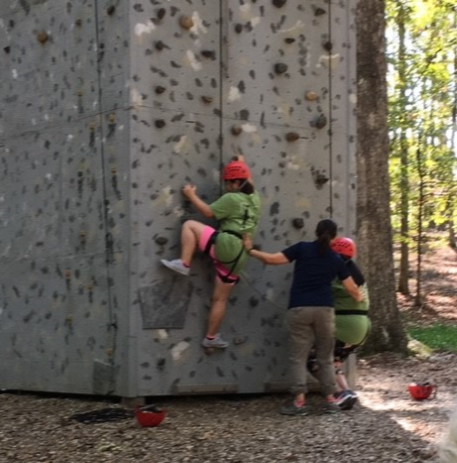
238,213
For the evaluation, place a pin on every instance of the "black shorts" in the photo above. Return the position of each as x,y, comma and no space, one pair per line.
340,354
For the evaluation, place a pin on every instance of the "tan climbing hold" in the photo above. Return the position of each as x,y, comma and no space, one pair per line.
311,96
186,22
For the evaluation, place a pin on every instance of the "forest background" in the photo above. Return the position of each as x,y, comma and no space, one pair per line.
406,161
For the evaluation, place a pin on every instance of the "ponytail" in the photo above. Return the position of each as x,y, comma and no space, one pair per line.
325,232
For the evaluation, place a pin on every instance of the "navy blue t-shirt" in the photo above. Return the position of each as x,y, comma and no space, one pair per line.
313,274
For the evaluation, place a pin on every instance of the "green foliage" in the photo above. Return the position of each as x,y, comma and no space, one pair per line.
422,57
438,336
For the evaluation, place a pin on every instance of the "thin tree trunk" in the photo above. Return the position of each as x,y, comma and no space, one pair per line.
403,277
450,208
420,213
373,211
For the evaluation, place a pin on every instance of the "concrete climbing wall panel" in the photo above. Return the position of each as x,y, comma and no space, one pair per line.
57,302
70,312
277,93
343,118
177,139
40,40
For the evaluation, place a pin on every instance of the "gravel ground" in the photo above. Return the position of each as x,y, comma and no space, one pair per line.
386,426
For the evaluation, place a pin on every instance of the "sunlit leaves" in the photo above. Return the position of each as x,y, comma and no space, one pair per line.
422,84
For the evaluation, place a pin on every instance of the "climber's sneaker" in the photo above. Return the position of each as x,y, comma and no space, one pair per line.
176,265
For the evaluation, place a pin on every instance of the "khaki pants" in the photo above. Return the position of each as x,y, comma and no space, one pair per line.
308,327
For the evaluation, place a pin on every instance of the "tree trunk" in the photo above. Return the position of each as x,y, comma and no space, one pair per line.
420,218
403,276
450,200
373,211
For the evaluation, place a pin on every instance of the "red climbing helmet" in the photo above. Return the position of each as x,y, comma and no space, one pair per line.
344,246
150,415
236,170
422,391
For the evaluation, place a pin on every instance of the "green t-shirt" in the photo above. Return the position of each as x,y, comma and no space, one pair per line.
238,213
351,329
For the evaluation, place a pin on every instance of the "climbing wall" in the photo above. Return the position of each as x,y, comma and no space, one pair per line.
64,237
107,110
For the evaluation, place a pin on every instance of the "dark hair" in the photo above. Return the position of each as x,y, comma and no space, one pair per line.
247,188
325,232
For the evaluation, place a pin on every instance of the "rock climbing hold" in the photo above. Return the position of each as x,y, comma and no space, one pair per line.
328,45
279,3
236,130
292,136
186,22
110,10
42,37
159,123
298,223
320,122
207,99
159,45
281,68
161,13
238,28
320,179
311,96
210,54
159,89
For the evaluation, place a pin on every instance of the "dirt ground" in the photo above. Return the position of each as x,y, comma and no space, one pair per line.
386,426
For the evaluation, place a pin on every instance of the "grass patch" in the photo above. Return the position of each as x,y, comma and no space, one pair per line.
437,336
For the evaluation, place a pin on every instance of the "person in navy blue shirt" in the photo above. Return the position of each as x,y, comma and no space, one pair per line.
310,316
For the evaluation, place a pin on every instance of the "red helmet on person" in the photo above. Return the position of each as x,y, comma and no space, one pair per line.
422,391
236,170
344,246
